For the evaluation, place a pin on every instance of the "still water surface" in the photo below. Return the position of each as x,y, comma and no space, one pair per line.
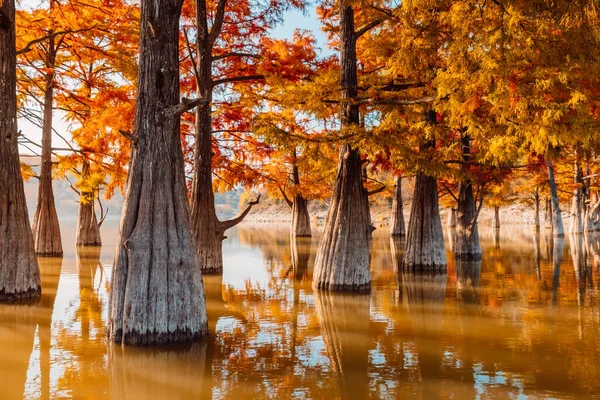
522,323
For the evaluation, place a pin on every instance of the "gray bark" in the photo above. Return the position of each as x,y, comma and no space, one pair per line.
467,230
425,240
451,221
300,217
88,228
398,226
46,229
536,220
496,219
557,222
19,270
157,294
343,257
577,222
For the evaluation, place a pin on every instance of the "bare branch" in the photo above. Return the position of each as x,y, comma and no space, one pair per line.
185,105
242,78
218,22
375,191
230,223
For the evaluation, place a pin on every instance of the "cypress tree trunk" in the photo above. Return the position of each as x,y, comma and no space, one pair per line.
207,229
398,227
300,216
451,222
425,240
342,261
205,224
496,219
157,294
556,217
88,228
19,270
578,202
536,218
467,230
46,229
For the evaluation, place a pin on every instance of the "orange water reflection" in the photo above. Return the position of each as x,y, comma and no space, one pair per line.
524,321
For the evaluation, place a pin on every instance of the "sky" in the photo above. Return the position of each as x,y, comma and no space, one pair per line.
293,20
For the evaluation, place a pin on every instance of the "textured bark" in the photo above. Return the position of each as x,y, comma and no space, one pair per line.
88,228
205,224
345,326
593,218
19,271
342,261
451,221
425,240
343,257
398,227
157,294
300,217
536,218
46,229
496,219
577,221
467,230
557,223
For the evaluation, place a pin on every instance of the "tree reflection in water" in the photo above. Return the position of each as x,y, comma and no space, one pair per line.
520,322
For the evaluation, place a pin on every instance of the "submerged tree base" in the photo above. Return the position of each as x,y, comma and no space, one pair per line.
28,296
149,338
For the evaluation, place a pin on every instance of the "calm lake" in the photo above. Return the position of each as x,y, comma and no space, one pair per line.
522,323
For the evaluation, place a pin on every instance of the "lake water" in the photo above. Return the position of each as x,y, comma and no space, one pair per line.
522,323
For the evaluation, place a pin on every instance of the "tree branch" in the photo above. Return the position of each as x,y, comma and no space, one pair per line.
287,199
238,79
218,22
29,45
230,223
368,27
375,191
234,54
185,105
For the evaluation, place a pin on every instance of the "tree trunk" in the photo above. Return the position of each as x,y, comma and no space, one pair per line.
205,224
576,224
425,241
342,261
557,223
398,227
536,218
300,218
46,229
467,231
157,294
451,222
88,228
496,219
19,270
207,229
